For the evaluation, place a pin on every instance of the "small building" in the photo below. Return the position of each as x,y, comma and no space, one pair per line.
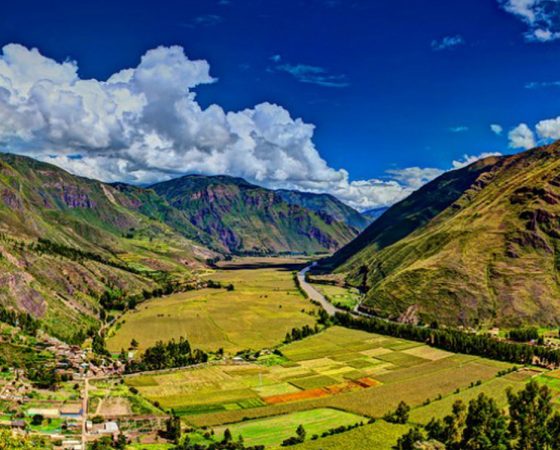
72,444
109,428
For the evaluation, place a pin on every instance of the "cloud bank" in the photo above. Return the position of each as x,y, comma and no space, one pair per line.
144,124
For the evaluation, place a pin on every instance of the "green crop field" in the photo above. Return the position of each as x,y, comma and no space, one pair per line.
349,370
264,306
342,297
271,431
495,388
377,436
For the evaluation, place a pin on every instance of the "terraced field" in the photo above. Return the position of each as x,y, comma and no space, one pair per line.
258,313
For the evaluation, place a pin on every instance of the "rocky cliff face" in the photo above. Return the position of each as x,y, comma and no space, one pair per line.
249,219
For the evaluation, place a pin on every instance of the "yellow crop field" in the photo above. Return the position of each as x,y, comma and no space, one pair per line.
258,313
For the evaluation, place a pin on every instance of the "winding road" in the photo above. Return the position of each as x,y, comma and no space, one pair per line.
314,294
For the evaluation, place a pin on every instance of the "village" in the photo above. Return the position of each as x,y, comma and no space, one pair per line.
64,413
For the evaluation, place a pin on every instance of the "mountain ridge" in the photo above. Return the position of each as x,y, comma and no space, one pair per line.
488,258
250,219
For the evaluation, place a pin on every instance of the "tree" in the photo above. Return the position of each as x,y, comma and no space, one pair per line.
400,415
98,345
227,436
402,412
554,428
530,411
300,432
409,440
486,427
173,428
133,344
37,419
454,425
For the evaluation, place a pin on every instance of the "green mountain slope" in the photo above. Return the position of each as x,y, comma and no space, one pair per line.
326,204
66,240
488,257
250,219
411,213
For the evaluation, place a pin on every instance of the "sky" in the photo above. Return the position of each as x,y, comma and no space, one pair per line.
366,100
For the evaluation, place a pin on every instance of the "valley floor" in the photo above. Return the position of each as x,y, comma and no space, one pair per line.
336,382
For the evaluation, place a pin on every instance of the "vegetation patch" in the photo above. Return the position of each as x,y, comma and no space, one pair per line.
272,431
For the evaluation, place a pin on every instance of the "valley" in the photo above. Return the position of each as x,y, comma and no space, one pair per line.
155,330
253,308
263,378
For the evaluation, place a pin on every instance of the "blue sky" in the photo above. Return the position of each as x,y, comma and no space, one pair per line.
388,85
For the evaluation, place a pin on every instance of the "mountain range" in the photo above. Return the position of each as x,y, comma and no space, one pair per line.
67,241
477,246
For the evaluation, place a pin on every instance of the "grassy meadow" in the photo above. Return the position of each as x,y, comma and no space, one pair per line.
258,313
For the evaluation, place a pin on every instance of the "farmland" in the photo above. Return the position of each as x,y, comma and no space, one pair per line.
379,436
273,430
351,371
342,297
258,313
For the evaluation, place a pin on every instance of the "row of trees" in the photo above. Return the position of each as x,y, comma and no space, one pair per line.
167,356
227,443
298,334
117,299
457,341
11,441
298,285
531,424
297,439
524,334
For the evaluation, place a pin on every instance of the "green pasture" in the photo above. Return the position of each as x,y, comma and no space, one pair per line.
271,431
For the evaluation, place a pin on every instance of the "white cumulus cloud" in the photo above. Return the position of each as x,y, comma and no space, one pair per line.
469,159
522,137
549,128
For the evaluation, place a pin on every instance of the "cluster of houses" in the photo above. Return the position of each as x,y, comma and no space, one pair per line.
75,362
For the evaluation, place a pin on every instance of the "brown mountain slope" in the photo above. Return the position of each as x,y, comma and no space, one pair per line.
489,258
66,240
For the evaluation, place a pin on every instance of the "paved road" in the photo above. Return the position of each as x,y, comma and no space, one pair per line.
314,294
